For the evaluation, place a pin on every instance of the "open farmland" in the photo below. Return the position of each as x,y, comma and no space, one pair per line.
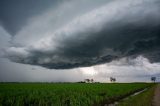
65,94
145,98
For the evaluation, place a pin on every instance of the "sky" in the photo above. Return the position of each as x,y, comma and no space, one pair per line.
71,40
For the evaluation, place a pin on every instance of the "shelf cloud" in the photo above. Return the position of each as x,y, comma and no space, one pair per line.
98,34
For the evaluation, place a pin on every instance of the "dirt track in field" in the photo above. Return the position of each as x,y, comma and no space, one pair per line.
156,99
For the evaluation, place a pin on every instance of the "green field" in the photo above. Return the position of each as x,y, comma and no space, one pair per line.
143,99
65,94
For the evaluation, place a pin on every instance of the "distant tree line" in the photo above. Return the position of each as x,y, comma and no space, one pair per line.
89,80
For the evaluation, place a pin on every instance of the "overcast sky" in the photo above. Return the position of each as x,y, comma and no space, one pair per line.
71,40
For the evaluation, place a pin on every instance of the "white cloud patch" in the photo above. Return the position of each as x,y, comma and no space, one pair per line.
124,70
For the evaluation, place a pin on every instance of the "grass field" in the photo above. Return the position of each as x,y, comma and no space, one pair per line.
64,94
143,99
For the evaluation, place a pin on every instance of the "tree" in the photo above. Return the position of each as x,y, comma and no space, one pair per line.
92,80
87,80
153,79
112,79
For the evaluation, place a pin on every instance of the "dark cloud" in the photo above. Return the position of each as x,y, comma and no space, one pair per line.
132,29
15,14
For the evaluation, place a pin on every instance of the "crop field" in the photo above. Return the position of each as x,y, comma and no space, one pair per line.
65,94
143,99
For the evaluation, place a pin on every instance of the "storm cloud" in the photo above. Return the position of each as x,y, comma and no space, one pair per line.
16,13
111,31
